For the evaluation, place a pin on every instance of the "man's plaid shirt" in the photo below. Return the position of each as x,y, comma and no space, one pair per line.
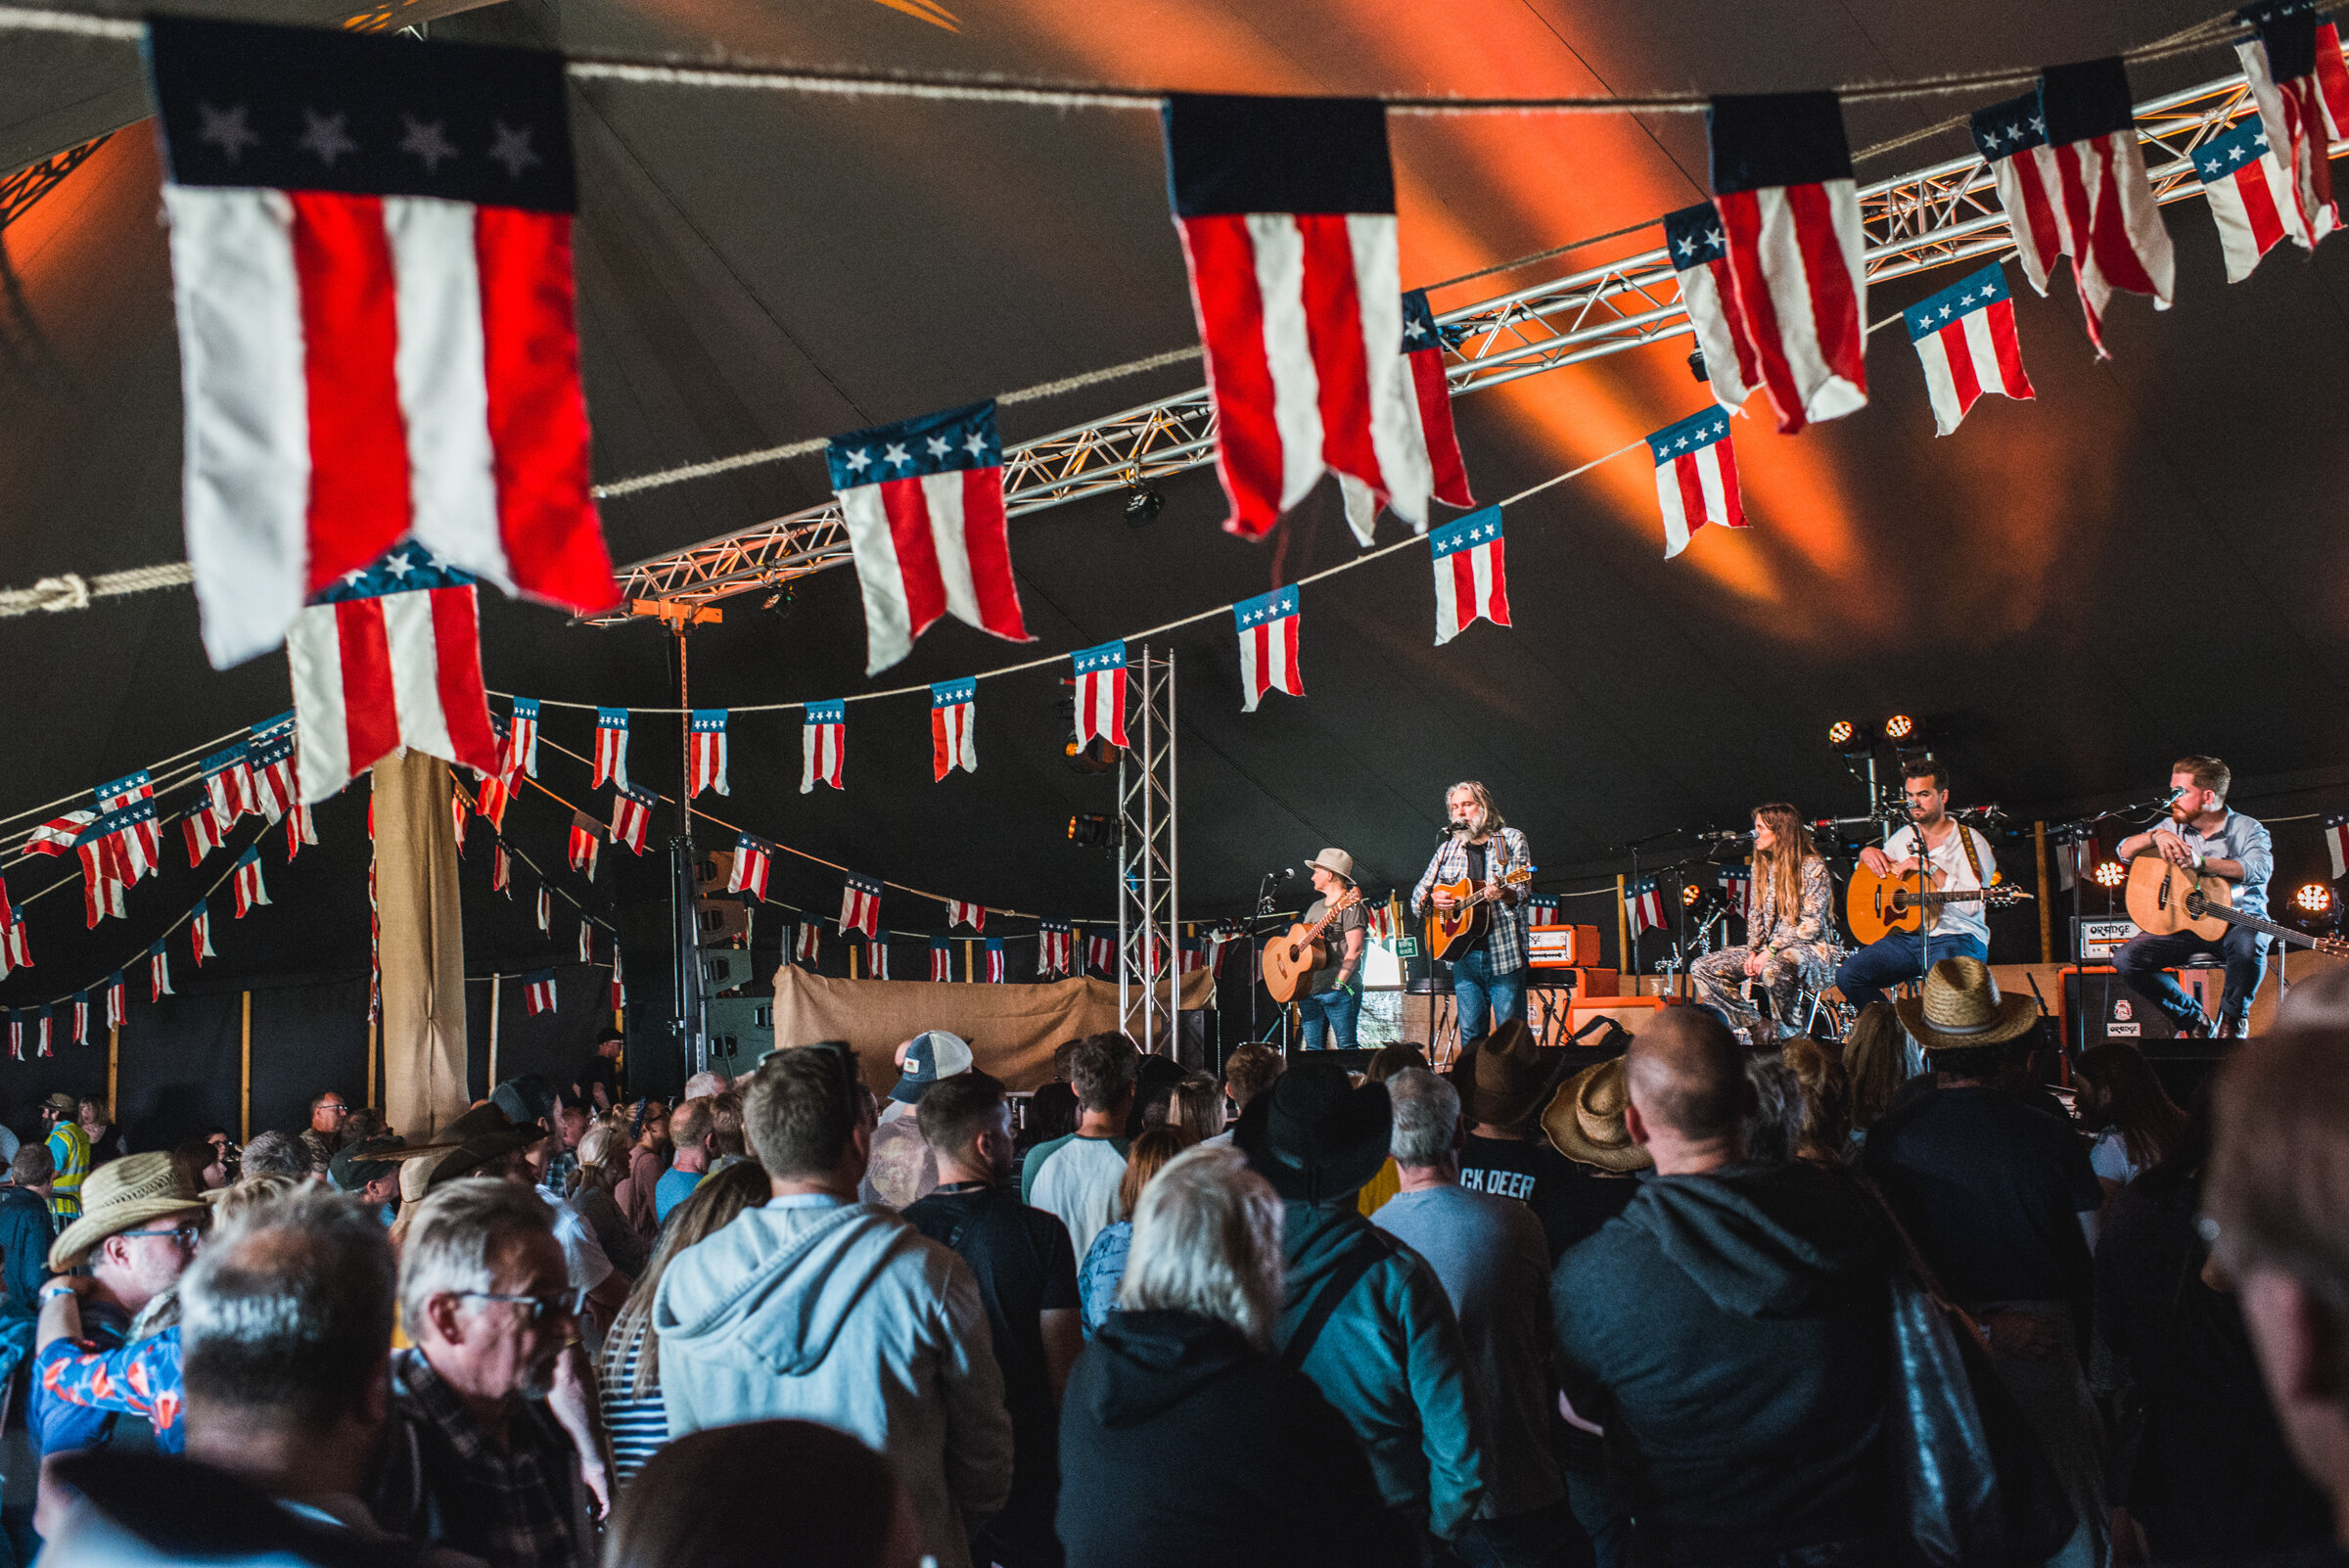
1505,947
524,1507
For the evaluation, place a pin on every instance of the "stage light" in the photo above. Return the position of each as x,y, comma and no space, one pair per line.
1690,893
1844,736
2111,873
1090,831
1143,503
1696,364
2314,899
1898,727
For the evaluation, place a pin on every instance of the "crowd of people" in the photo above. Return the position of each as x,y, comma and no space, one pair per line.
1680,1306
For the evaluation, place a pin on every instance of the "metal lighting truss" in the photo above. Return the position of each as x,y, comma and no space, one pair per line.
1934,217
31,183
1149,884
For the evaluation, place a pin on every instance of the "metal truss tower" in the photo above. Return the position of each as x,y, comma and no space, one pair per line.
1933,218
1149,876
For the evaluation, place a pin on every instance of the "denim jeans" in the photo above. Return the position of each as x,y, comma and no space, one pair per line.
1893,957
2244,952
1485,1001
1332,1010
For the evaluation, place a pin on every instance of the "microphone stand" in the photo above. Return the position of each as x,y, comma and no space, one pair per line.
1257,925
1631,959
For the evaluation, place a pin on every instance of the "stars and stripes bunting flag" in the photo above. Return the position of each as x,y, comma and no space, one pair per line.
15,948
996,974
1054,960
1645,903
1697,477
8,912
953,705
491,798
2282,65
1699,248
922,501
250,888
200,934
876,958
118,1007
375,299
274,789
456,811
959,913
706,752
753,859
631,815
104,897
941,958
203,832
1268,628
610,748
1427,426
127,818
1286,209
2336,842
1100,693
159,973
1101,951
43,1024
501,871
1542,912
521,739
302,828
1736,886
1189,953
81,1018
823,744
1781,172
586,941
2332,81
809,946
1471,573
16,1033
1965,336
2251,198
620,989
586,836
60,834
538,991
1378,920
546,910
388,655
860,905
2072,181
228,785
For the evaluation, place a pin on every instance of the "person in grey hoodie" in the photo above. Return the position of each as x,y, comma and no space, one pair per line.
824,1309
1363,1315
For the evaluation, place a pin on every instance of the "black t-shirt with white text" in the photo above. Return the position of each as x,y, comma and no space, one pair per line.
1569,1198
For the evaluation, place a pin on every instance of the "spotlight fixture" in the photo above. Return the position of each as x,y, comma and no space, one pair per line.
1089,832
1898,727
1696,364
1691,894
1845,736
2314,898
1143,503
2111,873
1096,756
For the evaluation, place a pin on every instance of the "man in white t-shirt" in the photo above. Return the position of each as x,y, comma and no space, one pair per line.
1077,1177
1961,858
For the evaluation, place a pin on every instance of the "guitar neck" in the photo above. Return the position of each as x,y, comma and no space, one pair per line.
2255,923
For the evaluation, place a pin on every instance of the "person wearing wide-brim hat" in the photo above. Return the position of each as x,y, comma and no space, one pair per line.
1331,1007
126,1195
1584,1120
1362,1314
1960,1008
1506,1076
479,1139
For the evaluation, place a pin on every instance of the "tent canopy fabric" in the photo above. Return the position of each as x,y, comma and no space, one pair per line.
2144,562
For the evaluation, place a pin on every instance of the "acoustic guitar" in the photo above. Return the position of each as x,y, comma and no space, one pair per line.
1875,905
1290,961
2165,898
1469,918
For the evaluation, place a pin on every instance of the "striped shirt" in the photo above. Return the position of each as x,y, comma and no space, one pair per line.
637,1427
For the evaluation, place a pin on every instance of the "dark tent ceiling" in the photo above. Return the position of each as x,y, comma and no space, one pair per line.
2145,560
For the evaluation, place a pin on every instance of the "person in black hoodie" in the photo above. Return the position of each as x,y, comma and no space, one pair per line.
1183,1439
1730,1328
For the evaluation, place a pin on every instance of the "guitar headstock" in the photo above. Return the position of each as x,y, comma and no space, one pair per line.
2004,895
1523,874
1347,899
2334,946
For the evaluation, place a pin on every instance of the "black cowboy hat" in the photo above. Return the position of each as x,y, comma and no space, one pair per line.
1506,1075
1314,1135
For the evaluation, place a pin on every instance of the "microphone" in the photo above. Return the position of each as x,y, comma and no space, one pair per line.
1283,874
1724,836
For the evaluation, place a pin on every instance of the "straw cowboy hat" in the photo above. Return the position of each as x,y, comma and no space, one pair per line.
1961,1008
1506,1075
1314,1135
1337,862
1584,1119
122,1195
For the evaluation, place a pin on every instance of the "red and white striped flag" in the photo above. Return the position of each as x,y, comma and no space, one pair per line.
1429,426
1700,260
2072,181
876,959
118,1005
2284,67
546,910
492,793
823,744
376,325
706,752
203,831
1268,628
587,837
521,739
1101,951
1054,960
953,705
753,859
2336,842
959,913
388,656
2251,198
159,973
1471,573
809,943
501,871
1100,693
620,989
941,958
586,941
1790,227
60,834
922,501
250,888
129,834
1697,477
81,1018
538,991
274,790
631,815
200,934
228,787
456,811
996,972
303,828
45,1022
1286,208
610,748
1965,336
860,905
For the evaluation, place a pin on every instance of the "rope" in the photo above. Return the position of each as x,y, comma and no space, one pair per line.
74,591
152,769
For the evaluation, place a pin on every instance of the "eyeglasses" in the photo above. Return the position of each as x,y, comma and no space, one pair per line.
187,1235
536,1308
331,1105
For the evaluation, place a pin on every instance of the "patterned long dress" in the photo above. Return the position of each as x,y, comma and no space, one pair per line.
1801,952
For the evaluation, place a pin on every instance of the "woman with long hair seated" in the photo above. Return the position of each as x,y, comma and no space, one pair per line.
1789,926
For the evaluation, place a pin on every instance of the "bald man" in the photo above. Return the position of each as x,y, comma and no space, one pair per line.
1728,1328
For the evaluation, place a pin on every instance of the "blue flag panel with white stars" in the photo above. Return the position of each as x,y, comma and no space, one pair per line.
1693,236
936,443
1967,294
1688,434
2004,129
404,569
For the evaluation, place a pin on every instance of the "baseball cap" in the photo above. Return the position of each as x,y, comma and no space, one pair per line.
929,1057
350,1170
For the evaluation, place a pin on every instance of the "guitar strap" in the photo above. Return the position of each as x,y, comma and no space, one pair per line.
1974,862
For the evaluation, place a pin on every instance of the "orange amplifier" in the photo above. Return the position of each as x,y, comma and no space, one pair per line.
1577,980
1562,946
1632,1012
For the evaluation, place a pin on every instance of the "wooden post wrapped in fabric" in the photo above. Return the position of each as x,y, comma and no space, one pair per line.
422,943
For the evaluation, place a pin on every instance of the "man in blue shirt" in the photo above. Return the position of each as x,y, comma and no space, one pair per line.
689,1132
2214,842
